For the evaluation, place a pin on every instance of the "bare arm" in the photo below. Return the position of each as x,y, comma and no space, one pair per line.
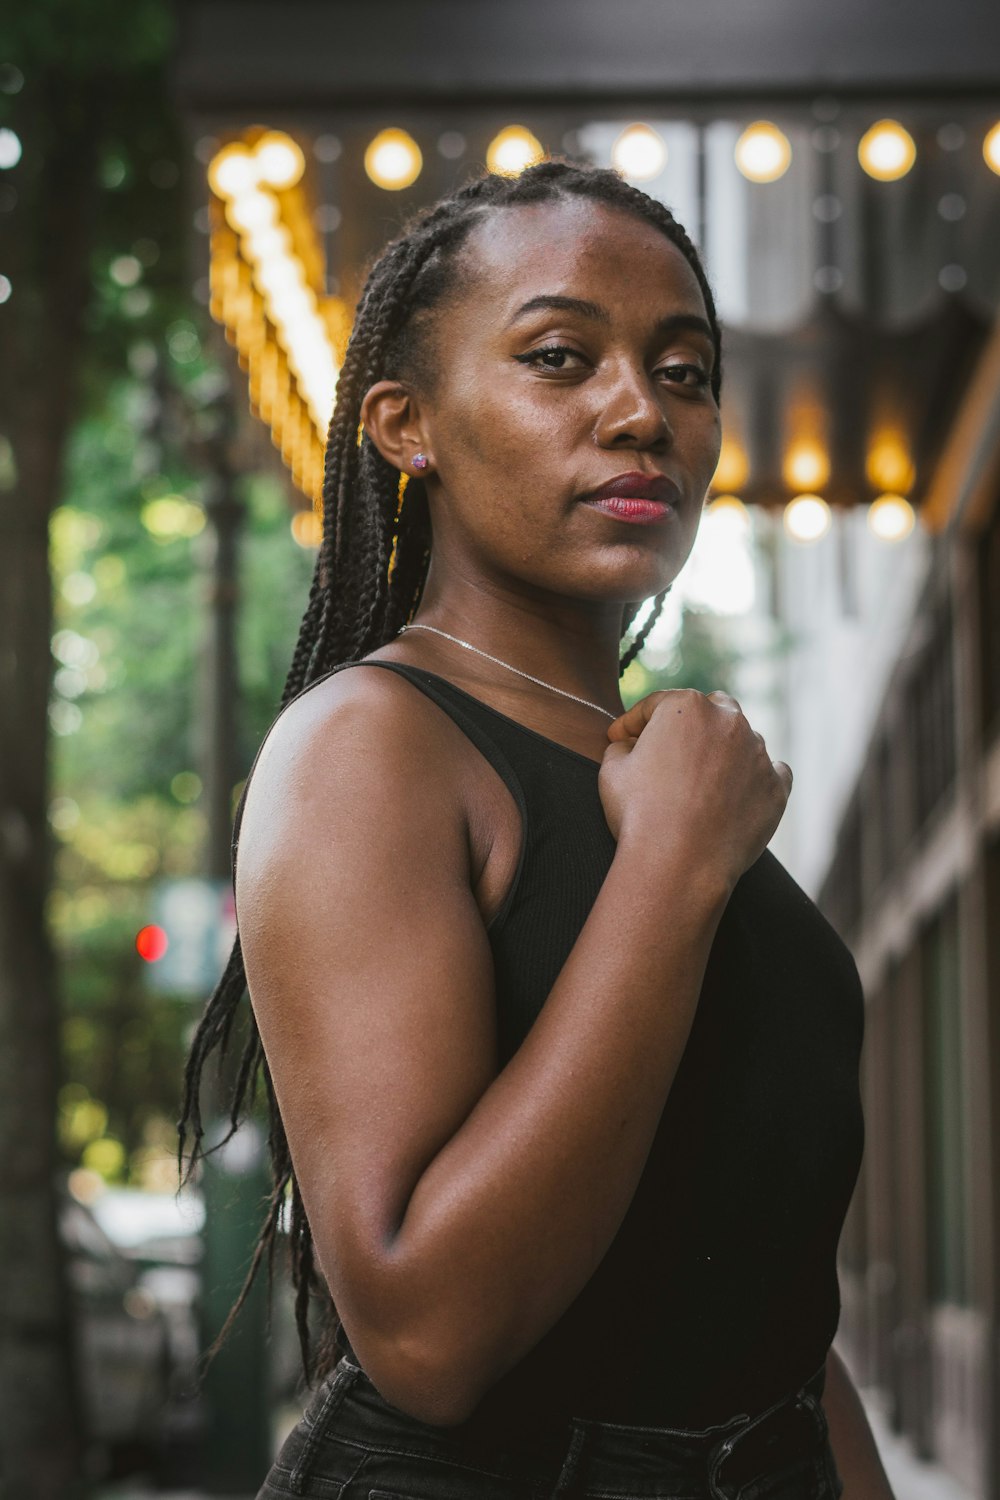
854,1451
458,1210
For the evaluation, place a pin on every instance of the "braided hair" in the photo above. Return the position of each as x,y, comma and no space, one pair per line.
368,580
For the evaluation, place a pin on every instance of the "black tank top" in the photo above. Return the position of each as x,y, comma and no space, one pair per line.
719,1292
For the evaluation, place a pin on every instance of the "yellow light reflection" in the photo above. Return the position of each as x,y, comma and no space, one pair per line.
307,528
513,149
393,160
280,162
732,507
252,211
807,518
891,517
733,468
233,171
763,152
991,149
263,281
887,151
888,464
639,153
806,466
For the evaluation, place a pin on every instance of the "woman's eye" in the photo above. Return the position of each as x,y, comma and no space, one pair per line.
551,357
699,376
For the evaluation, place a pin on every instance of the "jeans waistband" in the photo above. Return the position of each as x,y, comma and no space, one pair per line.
725,1456
728,1456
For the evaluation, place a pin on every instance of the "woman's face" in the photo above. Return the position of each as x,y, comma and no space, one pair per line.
577,352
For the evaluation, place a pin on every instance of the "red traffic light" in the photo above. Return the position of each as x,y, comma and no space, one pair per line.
151,943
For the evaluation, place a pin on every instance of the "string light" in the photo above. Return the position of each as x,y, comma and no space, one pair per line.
639,153
763,153
991,149
887,151
393,160
513,149
807,518
806,466
266,263
891,517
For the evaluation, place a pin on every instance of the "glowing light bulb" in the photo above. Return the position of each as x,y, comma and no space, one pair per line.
763,152
807,518
280,161
252,211
991,149
806,466
393,160
891,517
888,464
887,151
233,171
732,508
639,153
10,148
307,528
733,467
513,149
151,943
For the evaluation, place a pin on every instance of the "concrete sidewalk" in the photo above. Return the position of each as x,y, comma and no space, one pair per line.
911,1477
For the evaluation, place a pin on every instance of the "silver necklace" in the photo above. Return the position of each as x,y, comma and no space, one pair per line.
469,647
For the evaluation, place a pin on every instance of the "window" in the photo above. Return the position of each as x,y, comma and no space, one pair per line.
944,1114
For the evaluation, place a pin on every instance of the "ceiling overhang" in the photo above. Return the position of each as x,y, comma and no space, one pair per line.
259,56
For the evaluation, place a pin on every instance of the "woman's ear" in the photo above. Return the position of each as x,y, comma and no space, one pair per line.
391,416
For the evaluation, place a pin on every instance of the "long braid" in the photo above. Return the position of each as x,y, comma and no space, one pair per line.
357,602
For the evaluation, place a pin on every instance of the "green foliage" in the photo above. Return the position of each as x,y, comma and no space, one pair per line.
87,39
129,551
700,658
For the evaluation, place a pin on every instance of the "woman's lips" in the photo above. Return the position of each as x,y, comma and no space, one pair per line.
636,496
625,509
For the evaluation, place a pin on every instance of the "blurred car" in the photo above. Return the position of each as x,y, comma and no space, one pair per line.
123,1341
160,1234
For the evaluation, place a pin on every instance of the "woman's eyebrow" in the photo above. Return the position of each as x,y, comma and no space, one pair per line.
556,303
671,323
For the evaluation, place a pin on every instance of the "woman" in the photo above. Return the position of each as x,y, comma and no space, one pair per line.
563,1065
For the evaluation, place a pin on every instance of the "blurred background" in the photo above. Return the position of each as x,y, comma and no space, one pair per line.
188,198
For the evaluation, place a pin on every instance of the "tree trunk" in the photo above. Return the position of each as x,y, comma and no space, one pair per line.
40,1429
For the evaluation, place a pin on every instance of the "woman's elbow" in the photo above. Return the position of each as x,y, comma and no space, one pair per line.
421,1380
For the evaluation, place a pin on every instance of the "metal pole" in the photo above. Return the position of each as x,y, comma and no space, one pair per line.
238,1447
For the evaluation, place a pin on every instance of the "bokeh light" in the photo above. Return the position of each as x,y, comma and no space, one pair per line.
513,149
891,517
733,468
307,528
806,466
763,152
10,148
806,518
393,160
280,160
639,153
887,151
991,149
151,943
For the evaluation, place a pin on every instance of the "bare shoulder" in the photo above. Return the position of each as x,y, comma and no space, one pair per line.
366,957
363,740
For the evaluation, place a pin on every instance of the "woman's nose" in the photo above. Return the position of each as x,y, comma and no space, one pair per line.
633,414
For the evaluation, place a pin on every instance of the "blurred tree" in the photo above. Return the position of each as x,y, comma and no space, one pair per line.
99,329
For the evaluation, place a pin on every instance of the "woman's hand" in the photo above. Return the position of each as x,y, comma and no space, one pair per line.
685,769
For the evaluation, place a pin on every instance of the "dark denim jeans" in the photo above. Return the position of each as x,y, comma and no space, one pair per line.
353,1445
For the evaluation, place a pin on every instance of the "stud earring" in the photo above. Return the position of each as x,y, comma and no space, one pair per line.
420,460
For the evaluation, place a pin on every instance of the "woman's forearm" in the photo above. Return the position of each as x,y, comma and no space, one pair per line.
530,1192
854,1450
